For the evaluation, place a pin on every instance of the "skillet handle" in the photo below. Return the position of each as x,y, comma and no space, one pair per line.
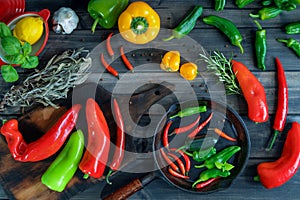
131,188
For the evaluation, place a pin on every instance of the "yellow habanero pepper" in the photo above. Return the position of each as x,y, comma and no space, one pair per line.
189,71
139,23
171,61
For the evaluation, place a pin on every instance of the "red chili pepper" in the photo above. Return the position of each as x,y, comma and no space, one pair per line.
206,183
253,92
224,135
200,127
187,127
282,103
95,157
120,142
110,51
125,60
179,162
275,174
45,146
168,160
108,67
176,174
186,158
165,139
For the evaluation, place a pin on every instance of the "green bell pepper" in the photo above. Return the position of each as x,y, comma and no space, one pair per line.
106,13
63,168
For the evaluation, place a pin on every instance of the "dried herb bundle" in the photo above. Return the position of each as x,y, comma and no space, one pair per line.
62,73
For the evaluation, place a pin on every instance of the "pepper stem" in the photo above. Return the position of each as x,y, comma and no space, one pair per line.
258,25
269,148
196,182
139,25
241,47
94,25
256,178
108,175
254,15
169,38
86,176
282,40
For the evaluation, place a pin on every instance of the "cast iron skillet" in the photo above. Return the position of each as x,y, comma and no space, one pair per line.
224,118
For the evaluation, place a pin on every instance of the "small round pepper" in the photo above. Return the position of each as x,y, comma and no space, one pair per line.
189,71
139,23
171,61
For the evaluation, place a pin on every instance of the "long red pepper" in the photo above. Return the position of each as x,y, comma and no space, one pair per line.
253,92
186,158
206,183
275,174
224,135
95,157
165,139
109,49
168,160
282,103
187,127
176,174
200,127
108,67
179,162
120,142
125,59
45,146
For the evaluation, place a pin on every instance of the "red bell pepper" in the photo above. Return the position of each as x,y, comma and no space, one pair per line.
95,157
45,146
275,174
253,92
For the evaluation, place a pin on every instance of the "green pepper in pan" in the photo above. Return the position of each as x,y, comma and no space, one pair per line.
260,46
203,154
227,27
292,44
63,168
106,13
185,26
211,173
293,28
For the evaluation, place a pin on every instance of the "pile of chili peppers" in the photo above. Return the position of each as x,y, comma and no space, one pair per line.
198,149
92,161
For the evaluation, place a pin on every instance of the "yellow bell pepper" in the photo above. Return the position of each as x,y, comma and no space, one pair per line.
139,23
189,71
171,61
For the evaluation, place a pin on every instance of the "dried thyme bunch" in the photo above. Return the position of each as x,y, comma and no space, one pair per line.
221,67
62,73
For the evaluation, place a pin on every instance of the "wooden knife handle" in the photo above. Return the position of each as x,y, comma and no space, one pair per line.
126,191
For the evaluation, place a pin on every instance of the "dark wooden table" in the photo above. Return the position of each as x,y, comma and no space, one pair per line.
171,12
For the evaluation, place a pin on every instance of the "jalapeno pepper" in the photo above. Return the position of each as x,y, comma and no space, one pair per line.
293,28
243,3
105,13
260,46
185,26
63,168
285,5
219,5
292,44
202,154
209,174
227,27
267,13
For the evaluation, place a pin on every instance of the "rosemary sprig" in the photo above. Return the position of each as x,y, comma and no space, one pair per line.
221,67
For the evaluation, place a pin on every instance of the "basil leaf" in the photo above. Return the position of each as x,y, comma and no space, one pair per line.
30,62
4,30
11,45
15,59
26,49
9,73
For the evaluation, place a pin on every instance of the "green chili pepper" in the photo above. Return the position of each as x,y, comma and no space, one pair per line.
260,46
63,168
201,155
199,143
267,13
219,5
285,5
242,3
293,28
211,173
106,13
292,44
189,111
221,157
227,27
187,24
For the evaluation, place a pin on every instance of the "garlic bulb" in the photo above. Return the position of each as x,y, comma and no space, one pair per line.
64,20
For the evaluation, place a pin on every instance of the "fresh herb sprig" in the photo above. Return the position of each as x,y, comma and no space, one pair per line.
221,67
15,54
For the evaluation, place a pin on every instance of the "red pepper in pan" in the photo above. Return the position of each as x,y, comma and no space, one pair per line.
282,103
120,142
206,183
165,139
275,174
176,174
45,146
95,157
186,158
168,160
187,127
253,92
179,162
200,127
